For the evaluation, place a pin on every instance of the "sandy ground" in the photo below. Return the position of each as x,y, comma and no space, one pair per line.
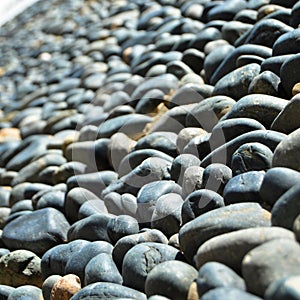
11,8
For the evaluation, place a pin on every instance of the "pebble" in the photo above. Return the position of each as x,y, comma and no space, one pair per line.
229,293
20,267
273,266
214,275
217,222
26,292
65,287
49,222
171,279
48,285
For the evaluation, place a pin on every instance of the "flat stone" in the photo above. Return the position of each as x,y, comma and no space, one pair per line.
230,248
49,222
217,222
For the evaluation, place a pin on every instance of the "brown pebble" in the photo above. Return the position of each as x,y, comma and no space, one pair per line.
193,292
66,287
296,89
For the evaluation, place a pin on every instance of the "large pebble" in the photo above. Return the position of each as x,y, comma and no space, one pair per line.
230,248
217,222
49,222
171,279
275,259
66,287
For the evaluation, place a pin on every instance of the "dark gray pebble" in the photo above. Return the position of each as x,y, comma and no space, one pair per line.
49,222
26,292
106,290
141,259
171,279
214,275
78,261
229,294
200,202
101,268
251,157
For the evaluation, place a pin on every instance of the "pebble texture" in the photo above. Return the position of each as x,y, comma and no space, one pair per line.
150,149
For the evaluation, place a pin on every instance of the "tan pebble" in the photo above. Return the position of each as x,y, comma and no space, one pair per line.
9,134
66,287
193,292
296,89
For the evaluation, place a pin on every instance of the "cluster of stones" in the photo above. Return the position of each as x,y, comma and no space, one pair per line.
150,150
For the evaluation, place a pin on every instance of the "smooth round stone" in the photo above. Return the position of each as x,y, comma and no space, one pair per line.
55,259
66,287
161,141
74,199
158,297
287,43
230,248
5,291
200,202
294,20
124,204
49,222
215,58
229,63
78,260
174,120
251,157
194,59
215,177
274,64
120,146
121,226
283,262
285,154
67,170
106,290
284,288
178,68
244,60
180,164
167,214
93,182
266,82
149,194
244,188
102,268
149,102
141,259
229,129
222,220
26,292
19,268
171,279
266,32
226,11
91,207
126,243
192,180
286,209
193,90
236,83
223,154
232,30
214,275
31,171
94,154
248,16
53,199
260,107
207,113
48,285
137,157
22,205
186,135
203,37
228,293
92,228
289,77
276,182
116,99
157,70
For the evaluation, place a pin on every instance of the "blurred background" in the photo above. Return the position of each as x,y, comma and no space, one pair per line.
11,8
